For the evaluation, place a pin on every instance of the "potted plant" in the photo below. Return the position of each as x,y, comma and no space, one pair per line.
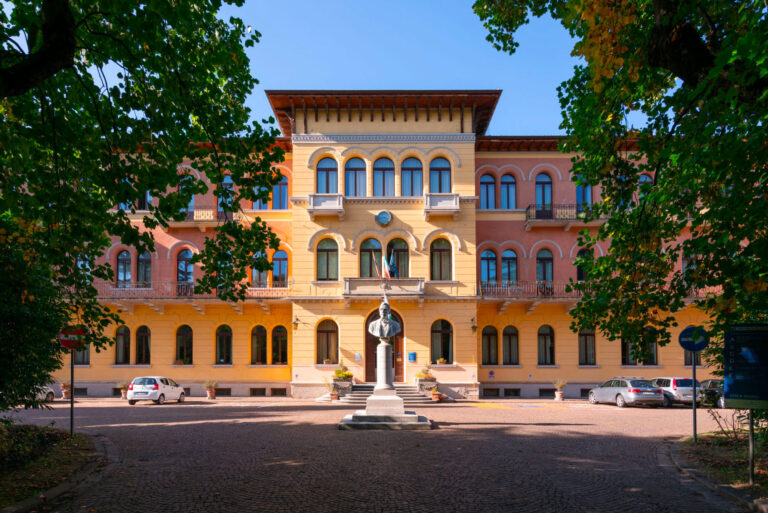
334,393
66,390
123,386
327,361
559,386
435,394
425,380
442,361
342,378
210,388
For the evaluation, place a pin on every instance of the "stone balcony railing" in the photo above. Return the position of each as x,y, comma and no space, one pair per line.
400,287
177,290
441,204
325,205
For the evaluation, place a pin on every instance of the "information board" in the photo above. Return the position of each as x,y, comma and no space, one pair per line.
745,381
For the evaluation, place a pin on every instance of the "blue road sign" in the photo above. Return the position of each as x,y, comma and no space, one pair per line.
694,338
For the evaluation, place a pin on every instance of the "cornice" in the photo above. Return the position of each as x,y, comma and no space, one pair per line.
405,138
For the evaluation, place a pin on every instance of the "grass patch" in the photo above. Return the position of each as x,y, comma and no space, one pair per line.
725,459
34,459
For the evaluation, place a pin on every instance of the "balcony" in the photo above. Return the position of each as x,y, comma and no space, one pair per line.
565,216
326,205
441,204
526,289
376,287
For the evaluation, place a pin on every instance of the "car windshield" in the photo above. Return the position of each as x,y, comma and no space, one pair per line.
686,383
641,384
144,381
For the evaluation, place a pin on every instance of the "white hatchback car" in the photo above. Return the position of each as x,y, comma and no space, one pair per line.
154,388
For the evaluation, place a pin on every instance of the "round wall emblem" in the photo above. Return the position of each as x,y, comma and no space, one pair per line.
384,217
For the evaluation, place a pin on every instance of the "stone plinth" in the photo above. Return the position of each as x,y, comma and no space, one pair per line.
409,420
384,402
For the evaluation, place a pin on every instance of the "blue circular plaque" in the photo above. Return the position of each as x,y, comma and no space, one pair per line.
694,338
384,218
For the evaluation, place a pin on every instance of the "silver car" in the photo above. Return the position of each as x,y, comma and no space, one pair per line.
677,390
154,388
626,391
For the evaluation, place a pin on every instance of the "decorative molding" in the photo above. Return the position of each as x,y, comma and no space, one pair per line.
542,241
382,199
382,138
545,165
502,170
191,245
315,238
576,245
455,240
500,246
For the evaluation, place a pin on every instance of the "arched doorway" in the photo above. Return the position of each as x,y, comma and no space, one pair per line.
397,348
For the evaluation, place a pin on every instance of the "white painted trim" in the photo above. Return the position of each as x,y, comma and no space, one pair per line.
188,166
445,152
374,233
500,245
530,251
442,231
500,171
390,234
179,242
325,151
315,238
576,244
282,167
363,138
545,165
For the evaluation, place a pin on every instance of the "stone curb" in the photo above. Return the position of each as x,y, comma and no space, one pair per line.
728,492
108,455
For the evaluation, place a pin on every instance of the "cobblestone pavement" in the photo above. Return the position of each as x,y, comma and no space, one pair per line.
285,455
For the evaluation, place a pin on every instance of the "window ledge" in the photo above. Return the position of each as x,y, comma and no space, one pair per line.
84,365
502,366
221,365
642,366
443,282
326,366
125,365
327,283
686,366
265,366
436,366
589,366
182,366
543,366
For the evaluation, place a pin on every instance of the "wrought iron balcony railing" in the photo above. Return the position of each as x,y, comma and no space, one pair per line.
545,212
526,289
179,289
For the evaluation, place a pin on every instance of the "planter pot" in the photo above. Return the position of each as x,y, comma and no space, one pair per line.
66,393
436,397
211,393
123,394
425,385
558,395
343,386
334,396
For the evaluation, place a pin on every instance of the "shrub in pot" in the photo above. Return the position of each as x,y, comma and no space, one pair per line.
210,388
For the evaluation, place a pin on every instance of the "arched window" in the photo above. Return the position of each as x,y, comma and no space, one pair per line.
544,266
280,194
644,182
259,279
397,249
546,346
411,179
509,348
490,346
488,266
370,258
354,178
440,260
260,204
280,269
144,270
439,175
442,342
258,345
224,345
143,342
224,197
543,196
184,345
123,346
581,275
279,346
327,342
587,347
583,196
383,177
327,176
509,267
190,208
124,270
184,273
327,260
487,192
508,194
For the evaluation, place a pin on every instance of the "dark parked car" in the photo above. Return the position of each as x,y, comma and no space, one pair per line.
713,392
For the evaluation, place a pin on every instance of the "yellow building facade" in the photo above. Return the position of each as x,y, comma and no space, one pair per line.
404,176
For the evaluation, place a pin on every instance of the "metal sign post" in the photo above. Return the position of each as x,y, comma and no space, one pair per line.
751,448
694,339
72,339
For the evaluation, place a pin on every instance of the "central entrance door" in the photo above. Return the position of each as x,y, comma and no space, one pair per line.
370,349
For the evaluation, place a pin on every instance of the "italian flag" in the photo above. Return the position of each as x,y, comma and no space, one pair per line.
385,271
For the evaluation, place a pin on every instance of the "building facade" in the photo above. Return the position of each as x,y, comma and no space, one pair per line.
480,232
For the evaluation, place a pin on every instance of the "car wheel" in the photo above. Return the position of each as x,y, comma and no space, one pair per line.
666,403
181,397
161,399
592,398
131,402
620,402
49,397
721,402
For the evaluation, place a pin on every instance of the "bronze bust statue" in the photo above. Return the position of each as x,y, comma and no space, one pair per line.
384,327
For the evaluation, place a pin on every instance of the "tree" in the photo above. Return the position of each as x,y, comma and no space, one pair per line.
698,73
100,104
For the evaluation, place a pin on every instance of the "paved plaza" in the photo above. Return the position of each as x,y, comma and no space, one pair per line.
236,455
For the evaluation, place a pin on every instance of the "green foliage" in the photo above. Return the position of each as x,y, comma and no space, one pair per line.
100,105
697,73
21,443
210,384
340,374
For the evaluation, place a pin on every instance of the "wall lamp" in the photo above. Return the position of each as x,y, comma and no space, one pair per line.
296,322
474,324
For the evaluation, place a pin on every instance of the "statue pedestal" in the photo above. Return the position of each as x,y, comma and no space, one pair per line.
384,402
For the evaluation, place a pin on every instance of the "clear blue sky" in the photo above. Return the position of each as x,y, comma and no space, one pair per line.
417,44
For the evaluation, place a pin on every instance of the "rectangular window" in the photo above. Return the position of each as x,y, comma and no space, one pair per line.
587,348
83,356
688,358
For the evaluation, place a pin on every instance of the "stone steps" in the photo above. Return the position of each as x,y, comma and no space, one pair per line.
409,394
